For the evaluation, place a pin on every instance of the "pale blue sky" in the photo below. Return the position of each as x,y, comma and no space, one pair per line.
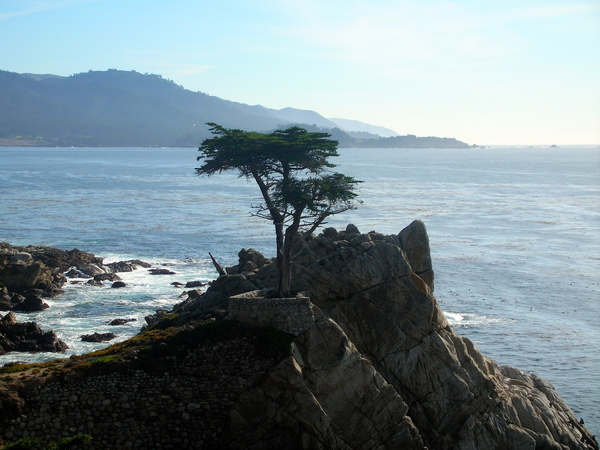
485,72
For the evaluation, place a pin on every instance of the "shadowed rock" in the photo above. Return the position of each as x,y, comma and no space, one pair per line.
27,337
98,337
382,368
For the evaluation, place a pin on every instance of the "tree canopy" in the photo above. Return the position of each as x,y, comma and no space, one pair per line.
292,170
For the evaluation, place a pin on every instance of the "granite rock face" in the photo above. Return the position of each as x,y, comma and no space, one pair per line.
382,368
379,367
325,396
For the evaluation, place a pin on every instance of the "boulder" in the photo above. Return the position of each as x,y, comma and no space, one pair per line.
161,272
98,337
91,270
107,277
253,256
116,322
23,303
75,273
21,258
9,319
31,303
126,266
352,229
415,243
27,337
118,284
19,277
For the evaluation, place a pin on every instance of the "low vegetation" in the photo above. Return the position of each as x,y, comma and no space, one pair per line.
69,443
149,349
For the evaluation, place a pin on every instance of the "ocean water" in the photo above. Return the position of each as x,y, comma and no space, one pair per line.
514,233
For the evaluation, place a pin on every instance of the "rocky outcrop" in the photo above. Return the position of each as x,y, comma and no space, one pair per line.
42,271
16,302
376,292
126,266
326,395
375,365
27,337
21,273
29,274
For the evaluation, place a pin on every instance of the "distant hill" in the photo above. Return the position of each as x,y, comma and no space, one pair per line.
360,129
127,108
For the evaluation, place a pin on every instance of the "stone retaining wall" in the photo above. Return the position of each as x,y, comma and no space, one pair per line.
292,315
182,405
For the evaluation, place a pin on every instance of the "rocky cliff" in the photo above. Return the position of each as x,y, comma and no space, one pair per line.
369,362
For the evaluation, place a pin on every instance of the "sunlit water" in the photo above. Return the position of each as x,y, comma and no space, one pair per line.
514,234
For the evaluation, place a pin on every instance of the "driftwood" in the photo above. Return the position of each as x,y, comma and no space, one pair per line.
217,265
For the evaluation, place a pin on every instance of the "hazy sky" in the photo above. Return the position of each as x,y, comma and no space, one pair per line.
482,71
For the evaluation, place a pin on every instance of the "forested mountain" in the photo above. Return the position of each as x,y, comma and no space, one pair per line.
121,108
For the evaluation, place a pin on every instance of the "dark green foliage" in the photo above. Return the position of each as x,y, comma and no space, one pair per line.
410,141
69,443
15,368
23,444
291,170
167,322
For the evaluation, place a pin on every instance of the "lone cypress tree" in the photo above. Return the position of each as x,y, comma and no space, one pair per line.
291,169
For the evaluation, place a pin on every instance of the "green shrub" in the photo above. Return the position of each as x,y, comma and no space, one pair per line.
68,443
73,442
23,444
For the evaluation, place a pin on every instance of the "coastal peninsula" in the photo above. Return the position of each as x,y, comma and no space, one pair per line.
362,357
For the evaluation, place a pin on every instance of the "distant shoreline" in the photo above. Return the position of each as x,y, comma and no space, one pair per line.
39,143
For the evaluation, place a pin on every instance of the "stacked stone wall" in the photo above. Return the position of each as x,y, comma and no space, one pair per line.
292,315
182,405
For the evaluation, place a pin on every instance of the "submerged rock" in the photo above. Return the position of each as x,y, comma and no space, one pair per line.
161,272
117,322
98,337
126,266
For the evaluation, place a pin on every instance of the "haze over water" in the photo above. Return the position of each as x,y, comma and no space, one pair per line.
514,234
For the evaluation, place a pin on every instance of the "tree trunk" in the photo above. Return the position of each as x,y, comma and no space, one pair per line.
279,237
217,265
284,271
279,253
